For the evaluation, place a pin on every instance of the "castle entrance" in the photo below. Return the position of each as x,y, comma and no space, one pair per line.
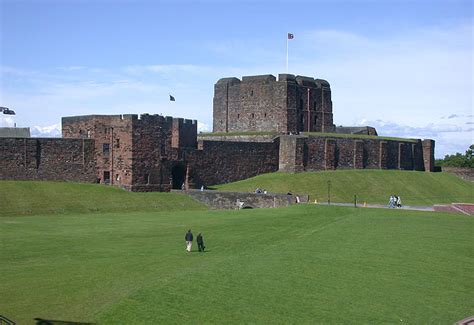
107,177
178,176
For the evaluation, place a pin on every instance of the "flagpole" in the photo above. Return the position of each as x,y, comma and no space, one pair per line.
287,53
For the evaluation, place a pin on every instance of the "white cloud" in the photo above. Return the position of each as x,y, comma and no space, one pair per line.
449,138
52,131
6,121
203,127
413,77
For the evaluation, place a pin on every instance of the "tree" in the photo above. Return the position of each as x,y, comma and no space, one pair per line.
458,159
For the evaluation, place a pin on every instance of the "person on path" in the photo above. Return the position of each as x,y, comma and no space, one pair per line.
391,202
200,243
399,202
189,240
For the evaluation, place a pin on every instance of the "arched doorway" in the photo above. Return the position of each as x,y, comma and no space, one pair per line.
178,176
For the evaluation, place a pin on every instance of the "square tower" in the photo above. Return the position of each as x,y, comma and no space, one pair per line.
264,104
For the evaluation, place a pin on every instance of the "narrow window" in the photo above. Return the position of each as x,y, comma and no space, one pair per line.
252,115
265,115
238,115
117,143
106,149
251,93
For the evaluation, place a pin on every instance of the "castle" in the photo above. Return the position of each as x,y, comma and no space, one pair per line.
260,125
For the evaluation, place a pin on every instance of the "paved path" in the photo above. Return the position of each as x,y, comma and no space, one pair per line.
381,206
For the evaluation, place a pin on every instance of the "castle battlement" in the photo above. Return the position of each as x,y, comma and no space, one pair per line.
264,104
269,79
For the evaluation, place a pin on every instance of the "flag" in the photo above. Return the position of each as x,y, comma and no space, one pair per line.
291,36
172,98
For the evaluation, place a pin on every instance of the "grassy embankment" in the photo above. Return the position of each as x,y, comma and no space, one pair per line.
30,198
371,186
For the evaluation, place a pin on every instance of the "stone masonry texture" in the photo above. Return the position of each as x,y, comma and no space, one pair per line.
262,103
51,159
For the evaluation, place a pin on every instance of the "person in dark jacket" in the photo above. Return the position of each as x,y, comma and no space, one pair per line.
189,240
200,243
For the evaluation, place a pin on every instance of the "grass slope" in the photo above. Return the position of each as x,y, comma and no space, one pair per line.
371,186
29,198
303,264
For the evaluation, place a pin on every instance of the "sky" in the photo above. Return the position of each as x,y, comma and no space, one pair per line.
404,67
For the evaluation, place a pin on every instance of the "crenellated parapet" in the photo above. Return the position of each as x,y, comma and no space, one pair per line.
132,149
291,104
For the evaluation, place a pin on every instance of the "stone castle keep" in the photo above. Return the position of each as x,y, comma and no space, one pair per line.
261,103
292,115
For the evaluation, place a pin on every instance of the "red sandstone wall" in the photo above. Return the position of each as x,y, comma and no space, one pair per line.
261,103
50,159
184,133
343,153
222,162
112,130
152,143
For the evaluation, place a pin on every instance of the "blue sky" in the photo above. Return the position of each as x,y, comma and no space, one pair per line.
404,67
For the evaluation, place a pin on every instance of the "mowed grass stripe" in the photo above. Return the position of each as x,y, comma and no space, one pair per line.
302,264
371,186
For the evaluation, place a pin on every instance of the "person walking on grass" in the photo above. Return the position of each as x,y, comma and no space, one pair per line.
200,243
189,240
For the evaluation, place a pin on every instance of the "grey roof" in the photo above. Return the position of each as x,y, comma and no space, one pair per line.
15,133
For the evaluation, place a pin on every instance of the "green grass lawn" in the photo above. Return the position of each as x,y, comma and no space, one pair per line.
304,264
371,186
29,198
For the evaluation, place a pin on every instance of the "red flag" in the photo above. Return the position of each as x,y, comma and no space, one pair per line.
291,36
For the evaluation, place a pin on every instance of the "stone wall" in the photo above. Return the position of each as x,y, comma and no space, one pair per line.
465,173
261,103
154,154
138,153
47,159
312,153
113,144
184,133
291,154
219,162
238,200
428,155
237,138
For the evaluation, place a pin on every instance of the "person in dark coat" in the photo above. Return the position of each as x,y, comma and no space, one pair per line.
200,243
189,240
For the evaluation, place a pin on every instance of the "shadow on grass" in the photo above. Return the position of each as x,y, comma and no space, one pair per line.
40,321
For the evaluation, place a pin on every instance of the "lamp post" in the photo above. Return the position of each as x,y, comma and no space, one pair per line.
329,192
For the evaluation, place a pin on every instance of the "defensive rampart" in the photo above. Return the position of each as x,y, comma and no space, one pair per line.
312,153
218,162
48,159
